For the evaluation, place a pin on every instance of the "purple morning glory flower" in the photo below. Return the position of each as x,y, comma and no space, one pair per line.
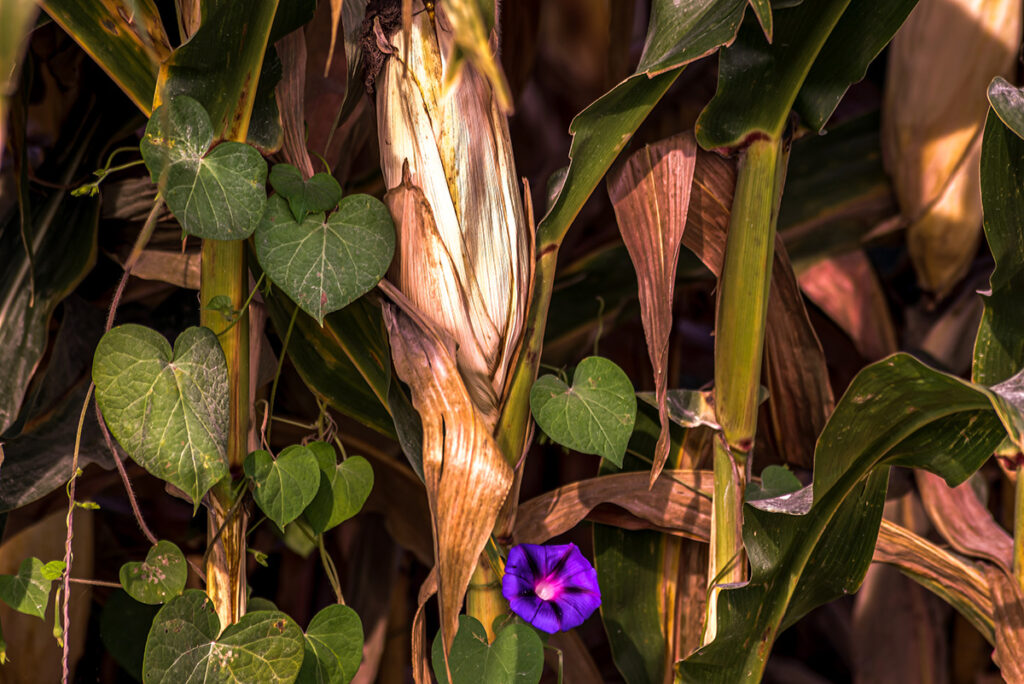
554,587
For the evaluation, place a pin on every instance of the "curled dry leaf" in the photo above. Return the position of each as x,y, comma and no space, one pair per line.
846,288
1008,612
932,118
964,521
651,197
795,371
465,475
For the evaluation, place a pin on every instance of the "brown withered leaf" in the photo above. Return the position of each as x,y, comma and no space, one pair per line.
846,288
964,521
176,268
651,196
679,501
420,652
465,475
290,93
576,661
1008,611
795,371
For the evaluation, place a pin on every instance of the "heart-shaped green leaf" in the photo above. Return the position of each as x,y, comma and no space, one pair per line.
29,591
594,416
343,488
158,578
183,645
318,194
515,657
218,194
334,647
283,487
324,265
169,410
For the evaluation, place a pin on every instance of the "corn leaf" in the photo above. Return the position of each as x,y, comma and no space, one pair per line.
1008,104
125,37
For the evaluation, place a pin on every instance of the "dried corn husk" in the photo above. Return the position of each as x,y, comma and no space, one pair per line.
941,61
463,254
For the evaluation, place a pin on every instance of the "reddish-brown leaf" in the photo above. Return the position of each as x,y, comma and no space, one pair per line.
847,289
651,196
1008,611
290,94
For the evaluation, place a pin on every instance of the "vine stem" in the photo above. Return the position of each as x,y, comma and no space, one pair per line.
69,537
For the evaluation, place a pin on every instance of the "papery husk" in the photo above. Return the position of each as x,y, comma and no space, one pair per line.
465,475
934,111
466,268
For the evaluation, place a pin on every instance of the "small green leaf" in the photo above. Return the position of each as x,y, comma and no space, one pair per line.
158,578
183,645
218,194
29,591
53,570
1008,104
776,480
318,194
334,647
284,487
343,488
324,265
594,416
222,304
515,657
169,410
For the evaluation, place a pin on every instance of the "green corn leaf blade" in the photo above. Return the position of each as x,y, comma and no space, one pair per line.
184,646
325,265
999,347
124,624
865,28
284,486
319,194
813,546
515,657
168,408
218,194
346,361
594,416
343,490
29,591
733,117
220,63
334,647
125,37
157,579
1008,104
676,36
763,11
39,446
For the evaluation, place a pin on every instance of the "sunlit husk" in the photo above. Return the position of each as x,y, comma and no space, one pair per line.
940,63
465,267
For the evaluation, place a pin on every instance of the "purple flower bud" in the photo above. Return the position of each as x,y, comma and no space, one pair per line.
554,588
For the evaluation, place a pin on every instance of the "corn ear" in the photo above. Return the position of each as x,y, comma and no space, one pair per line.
463,255
940,63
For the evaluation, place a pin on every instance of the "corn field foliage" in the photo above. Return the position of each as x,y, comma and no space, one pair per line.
506,342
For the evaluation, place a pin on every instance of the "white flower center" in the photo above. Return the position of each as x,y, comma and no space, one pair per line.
545,590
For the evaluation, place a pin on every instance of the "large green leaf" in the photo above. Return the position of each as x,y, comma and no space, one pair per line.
220,63
29,591
125,37
325,264
999,348
218,194
183,646
593,416
334,647
1007,103
815,545
168,409
515,657
865,28
284,486
775,71
158,578
677,34
124,624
